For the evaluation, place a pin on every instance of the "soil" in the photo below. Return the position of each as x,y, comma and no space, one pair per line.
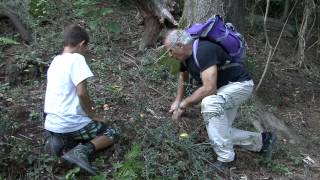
291,94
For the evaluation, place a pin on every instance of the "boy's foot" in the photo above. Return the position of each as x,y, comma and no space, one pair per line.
54,145
79,156
269,141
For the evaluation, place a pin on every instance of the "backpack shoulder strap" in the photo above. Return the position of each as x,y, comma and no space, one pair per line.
194,52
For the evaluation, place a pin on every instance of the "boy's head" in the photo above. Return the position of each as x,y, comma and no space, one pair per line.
75,35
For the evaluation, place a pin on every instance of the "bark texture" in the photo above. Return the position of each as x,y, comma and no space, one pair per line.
25,35
236,13
154,14
200,11
303,32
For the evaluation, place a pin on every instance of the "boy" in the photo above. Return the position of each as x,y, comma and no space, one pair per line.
70,118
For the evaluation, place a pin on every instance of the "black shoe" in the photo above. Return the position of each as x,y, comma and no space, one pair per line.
269,141
219,166
54,145
79,156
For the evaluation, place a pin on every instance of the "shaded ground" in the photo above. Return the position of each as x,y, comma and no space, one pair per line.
138,91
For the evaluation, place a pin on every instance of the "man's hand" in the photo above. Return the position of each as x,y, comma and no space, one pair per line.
174,106
177,114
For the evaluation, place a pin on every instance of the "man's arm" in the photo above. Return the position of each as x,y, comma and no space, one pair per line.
84,99
209,80
183,77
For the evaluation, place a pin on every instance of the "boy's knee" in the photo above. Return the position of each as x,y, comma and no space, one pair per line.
54,145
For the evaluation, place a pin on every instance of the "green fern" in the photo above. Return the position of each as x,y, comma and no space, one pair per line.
132,166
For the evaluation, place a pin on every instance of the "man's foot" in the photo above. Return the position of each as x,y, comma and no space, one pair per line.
269,141
79,156
54,145
219,166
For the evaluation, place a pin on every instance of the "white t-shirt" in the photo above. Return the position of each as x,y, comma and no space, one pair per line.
64,112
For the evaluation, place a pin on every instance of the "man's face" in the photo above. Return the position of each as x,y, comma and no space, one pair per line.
178,52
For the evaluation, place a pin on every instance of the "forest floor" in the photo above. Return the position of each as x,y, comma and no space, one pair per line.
138,89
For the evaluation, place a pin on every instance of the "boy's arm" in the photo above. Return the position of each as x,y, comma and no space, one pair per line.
85,101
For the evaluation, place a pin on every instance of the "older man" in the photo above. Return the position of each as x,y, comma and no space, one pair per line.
223,88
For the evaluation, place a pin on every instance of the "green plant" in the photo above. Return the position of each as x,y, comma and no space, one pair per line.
172,64
99,177
42,166
7,41
251,64
279,168
34,115
38,8
132,165
94,11
169,157
116,92
246,117
72,173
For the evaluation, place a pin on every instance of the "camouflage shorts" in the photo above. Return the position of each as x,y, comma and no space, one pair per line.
89,132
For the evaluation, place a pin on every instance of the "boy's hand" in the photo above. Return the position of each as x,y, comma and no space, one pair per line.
98,119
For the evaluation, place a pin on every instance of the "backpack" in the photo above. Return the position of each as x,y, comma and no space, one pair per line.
224,34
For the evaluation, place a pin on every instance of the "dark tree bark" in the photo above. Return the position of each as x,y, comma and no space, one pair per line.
236,13
25,35
154,13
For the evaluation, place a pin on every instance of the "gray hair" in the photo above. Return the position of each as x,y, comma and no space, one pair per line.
175,37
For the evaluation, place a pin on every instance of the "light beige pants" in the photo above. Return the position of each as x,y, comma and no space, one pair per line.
219,111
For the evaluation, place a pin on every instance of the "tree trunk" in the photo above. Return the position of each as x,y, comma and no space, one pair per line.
306,21
236,13
200,11
154,14
25,35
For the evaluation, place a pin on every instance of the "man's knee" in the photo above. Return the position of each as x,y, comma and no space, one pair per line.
212,101
213,105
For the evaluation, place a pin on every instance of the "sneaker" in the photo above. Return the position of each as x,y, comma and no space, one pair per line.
54,145
219,166
79,156
269,141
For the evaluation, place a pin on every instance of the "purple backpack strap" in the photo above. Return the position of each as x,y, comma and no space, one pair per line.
194,52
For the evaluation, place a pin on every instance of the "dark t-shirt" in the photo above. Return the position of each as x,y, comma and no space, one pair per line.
210,54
